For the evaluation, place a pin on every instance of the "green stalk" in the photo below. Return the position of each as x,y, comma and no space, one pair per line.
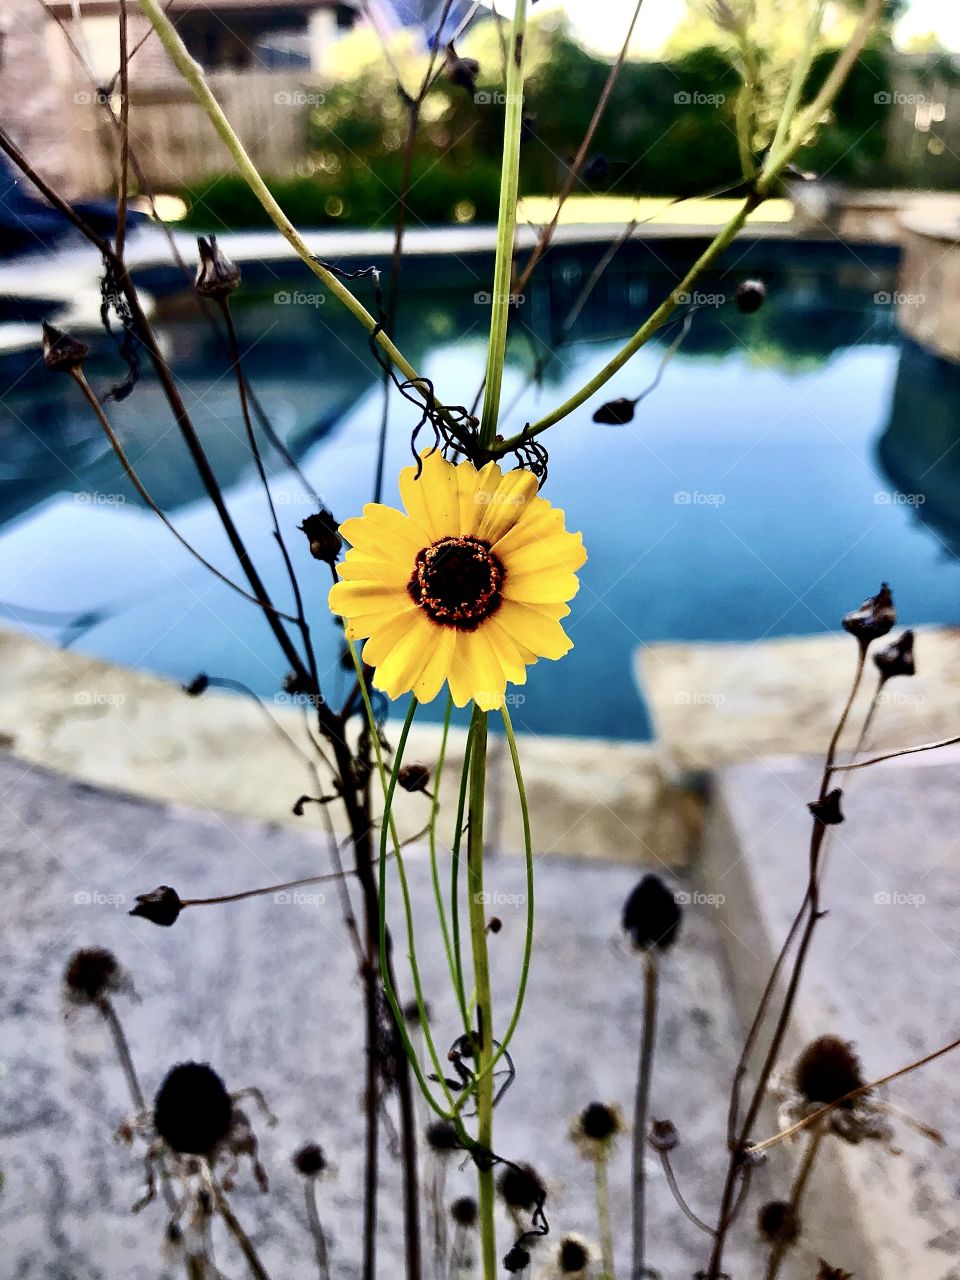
800,69
192,73
456,975
481,971
459,984
506,227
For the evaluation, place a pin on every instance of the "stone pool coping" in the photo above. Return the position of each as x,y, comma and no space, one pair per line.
141,734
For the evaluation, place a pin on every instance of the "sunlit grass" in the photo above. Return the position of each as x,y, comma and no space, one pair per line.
621,209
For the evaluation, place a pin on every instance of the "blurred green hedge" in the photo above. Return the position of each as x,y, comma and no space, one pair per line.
668,130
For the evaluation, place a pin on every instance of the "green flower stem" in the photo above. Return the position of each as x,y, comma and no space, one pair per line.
603,1218
192,73
774,166
506,227
456,971
465,1008
481,971
801,68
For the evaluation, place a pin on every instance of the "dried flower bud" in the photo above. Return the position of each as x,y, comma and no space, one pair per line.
321,532
596,169
573,1256
521,1187
875,617
827,811
160,906
61,353
827,1272
599,1122
494,924
442,1137
651,915
310,1160
663,1136
827,1070
749,296
615,413
91,974
896,659
777,1222
192,1111
217,276
414,777
518,1259
464,1211
411,1012
198,685
461,72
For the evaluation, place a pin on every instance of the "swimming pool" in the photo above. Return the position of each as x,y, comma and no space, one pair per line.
787,462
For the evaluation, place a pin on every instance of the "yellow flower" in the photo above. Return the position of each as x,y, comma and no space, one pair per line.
468,586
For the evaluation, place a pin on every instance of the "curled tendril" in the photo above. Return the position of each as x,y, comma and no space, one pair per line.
113,302
454,427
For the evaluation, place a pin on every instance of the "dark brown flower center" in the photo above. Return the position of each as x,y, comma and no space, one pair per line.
457,582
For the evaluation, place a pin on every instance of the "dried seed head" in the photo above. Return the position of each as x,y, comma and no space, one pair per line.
651,915
518,1259
599,1122
442,1137
198,685
464,1211
160,906
663,1135
411,1012
573,1256
461,72
320,530
875,617
414,777
92,974
897,658
521,1187
310,1160
615,413
827,1070
827,810
217,276
777,1222
61,353
750,295
494,924
192,1111
827,1272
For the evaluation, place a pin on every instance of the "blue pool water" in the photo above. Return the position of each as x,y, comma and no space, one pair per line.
786,464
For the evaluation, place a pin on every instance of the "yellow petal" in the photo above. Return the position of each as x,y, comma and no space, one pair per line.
358,567
542,586
398,671
384,531
433,501
388,631
538,520
486,483
435,671
560,551
529,627
512,658
507,504
356,598
487,678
